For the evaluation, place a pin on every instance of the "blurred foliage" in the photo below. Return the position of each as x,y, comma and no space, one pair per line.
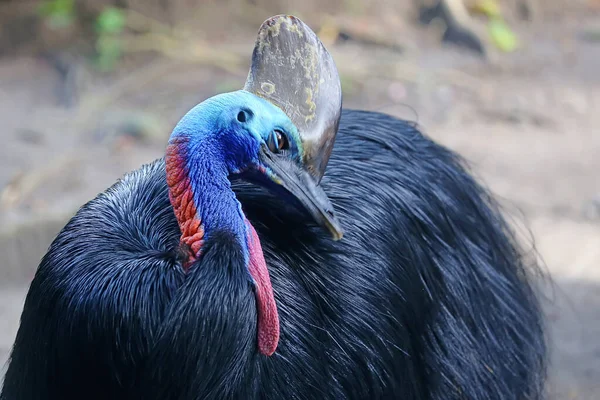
117,30
110,21
490,8
109,25
501,34
58,14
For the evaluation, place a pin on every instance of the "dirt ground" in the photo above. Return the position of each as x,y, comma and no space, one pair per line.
528,122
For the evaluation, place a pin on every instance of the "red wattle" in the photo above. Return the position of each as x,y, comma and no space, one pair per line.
268,318
182,199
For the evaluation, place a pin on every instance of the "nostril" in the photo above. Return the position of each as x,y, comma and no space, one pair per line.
242,117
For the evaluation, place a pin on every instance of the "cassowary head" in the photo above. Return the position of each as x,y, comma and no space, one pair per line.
277,132
250,137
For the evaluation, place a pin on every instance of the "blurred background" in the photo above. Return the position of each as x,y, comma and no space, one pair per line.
90,89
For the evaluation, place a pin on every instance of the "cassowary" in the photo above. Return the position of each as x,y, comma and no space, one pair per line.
182,281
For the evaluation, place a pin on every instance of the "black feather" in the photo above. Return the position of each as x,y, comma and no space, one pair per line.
427,296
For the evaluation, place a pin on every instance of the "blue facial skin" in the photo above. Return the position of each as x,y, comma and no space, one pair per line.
241,123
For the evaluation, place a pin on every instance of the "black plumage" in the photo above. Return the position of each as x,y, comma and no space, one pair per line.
427,296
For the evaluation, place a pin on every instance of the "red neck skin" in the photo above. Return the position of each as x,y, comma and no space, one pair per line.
182,200
192,238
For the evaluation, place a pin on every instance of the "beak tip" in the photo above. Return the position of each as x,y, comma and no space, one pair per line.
337,233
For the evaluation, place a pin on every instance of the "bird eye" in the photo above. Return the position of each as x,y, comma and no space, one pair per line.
278,141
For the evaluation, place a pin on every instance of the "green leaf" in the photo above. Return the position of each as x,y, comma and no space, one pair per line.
111,20
502,36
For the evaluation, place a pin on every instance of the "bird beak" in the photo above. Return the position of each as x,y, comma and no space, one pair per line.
292,69
298,183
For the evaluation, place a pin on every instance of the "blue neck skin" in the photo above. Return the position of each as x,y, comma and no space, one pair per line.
216,204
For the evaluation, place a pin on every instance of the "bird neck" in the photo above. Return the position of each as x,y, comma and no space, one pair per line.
203,201
201,194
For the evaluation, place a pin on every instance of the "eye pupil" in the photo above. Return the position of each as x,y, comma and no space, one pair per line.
278,141
242,117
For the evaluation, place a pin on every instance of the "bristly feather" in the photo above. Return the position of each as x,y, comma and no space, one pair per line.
426,297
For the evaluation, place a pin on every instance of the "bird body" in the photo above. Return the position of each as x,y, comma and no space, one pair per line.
427,296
